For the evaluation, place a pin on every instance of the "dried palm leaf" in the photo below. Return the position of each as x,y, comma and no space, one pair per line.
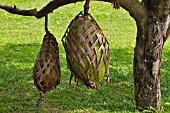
46,72
87,50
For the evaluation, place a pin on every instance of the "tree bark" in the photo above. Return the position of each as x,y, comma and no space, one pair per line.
148,54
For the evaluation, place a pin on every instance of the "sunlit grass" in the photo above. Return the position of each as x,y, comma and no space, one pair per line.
20,41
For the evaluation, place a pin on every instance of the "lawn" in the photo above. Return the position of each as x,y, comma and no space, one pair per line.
20,41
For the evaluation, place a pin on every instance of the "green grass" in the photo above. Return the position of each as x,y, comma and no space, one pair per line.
20,41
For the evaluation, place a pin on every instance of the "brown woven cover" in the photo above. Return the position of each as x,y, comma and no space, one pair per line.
87,50
46,72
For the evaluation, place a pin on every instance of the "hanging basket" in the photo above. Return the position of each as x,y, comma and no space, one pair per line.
46,72
87,50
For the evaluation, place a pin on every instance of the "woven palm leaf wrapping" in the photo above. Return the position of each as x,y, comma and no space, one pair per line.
46,72
87,50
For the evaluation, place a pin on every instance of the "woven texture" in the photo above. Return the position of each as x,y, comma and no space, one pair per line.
46,72
87,50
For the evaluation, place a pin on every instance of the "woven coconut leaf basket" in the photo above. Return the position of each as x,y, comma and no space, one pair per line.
87,50
46,71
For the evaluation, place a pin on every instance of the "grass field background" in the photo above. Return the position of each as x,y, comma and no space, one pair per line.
20,41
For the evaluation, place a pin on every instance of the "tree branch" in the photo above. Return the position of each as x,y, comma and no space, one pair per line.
15,10
39,14
54,5
134,7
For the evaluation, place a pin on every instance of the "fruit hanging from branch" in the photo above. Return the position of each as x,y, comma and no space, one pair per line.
46,72
87,50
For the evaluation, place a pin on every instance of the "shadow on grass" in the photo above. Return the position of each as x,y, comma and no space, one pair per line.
16,85
18,94
116,96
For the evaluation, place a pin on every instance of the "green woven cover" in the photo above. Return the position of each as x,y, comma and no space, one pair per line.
87,50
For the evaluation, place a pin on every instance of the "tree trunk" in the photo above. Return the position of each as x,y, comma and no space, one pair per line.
147,61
